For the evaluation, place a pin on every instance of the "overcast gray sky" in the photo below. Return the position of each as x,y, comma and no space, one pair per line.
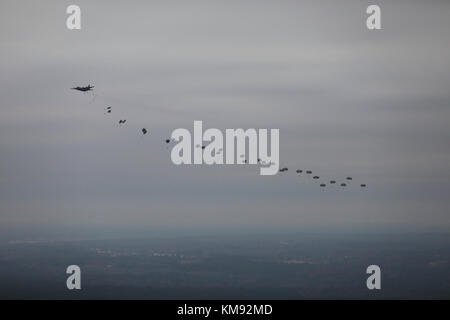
348,101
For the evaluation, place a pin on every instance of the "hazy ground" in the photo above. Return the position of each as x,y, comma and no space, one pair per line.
294,266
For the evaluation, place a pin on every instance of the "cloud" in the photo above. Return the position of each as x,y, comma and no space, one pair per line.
347,101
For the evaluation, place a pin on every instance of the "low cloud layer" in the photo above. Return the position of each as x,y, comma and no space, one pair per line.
347,101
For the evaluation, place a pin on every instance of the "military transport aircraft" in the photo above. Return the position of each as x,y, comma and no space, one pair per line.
84,89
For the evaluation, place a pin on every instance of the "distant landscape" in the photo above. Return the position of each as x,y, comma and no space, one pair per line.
295,266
